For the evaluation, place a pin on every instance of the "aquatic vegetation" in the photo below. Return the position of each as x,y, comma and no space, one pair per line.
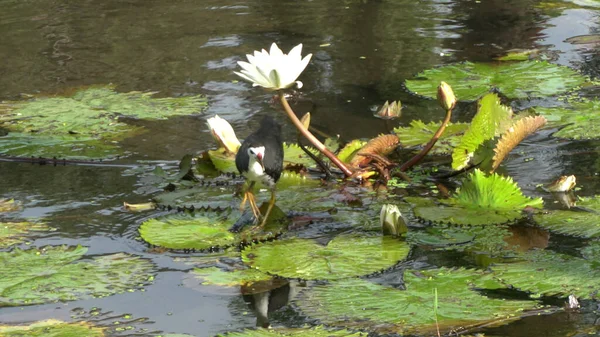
16,232
389,110
419,133
344,256
577,120
514,135
357,303
232,278
481,200
52,274
223,133
584,222
525,79
52,328
317,331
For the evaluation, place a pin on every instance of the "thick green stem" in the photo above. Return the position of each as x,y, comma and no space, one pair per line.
311,138
416,159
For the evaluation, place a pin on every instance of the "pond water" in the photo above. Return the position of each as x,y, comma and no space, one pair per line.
363,50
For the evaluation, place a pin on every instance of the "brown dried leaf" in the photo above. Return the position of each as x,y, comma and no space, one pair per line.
380,146
514,135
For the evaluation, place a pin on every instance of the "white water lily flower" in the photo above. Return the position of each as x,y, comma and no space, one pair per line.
223,133
274,70
391,220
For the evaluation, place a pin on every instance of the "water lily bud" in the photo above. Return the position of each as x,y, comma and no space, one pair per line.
391,220
445,96
563,184
306,120
223,133
390,110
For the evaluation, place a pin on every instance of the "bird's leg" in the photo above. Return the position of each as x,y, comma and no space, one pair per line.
253,206
269,209
243,204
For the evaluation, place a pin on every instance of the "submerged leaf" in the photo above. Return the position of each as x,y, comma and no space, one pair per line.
419,134
361,304
51,328
481,200
250,280
515,80
344,256
318,331
47,275
491,120
15,232
548,273
9,205
570,222
514,135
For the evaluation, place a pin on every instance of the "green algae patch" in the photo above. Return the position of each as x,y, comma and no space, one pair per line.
469,81
481,200
344,256
86,124
51,274
51,328
357,303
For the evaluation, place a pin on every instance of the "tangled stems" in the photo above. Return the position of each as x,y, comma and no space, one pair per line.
311,138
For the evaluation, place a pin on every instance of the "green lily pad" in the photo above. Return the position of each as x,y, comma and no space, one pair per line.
248,280
574,222
15,232
52,274
481,200
85,124
550,274
419,134
318,331
580,119
203,230
491,120
361,304
347,152
9,205
470,81
51,328
344,256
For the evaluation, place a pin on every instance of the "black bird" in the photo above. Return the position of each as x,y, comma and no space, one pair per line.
260,160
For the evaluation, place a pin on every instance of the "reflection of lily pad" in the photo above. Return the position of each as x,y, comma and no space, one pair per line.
480,200
51,328
294,332
344,256
548,273
84,124
15,232
581,119
419,134
51,274
577,223
515,80
202,230
360,304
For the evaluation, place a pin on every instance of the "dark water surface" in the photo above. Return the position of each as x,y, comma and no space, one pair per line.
362,53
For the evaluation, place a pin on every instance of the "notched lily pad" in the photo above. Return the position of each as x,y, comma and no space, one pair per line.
481,200
579,120
515,80
51,328
574,222
85,124
318,331
546,273
204,230
419,134
16,232
53,274
344,256
357,303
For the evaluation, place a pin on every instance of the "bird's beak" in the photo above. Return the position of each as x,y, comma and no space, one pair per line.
259,156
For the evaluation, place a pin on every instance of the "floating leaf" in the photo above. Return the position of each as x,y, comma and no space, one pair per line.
519,55
491,120
234,278
344,256
481,200
580,119
9,205
14,232
577,223
361,304
548,273
584,39
318,331
202,230
515,80
47,275
514,135
51,328
419,134
348,151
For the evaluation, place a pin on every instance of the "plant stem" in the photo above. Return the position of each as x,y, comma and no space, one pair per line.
417,158
311,138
